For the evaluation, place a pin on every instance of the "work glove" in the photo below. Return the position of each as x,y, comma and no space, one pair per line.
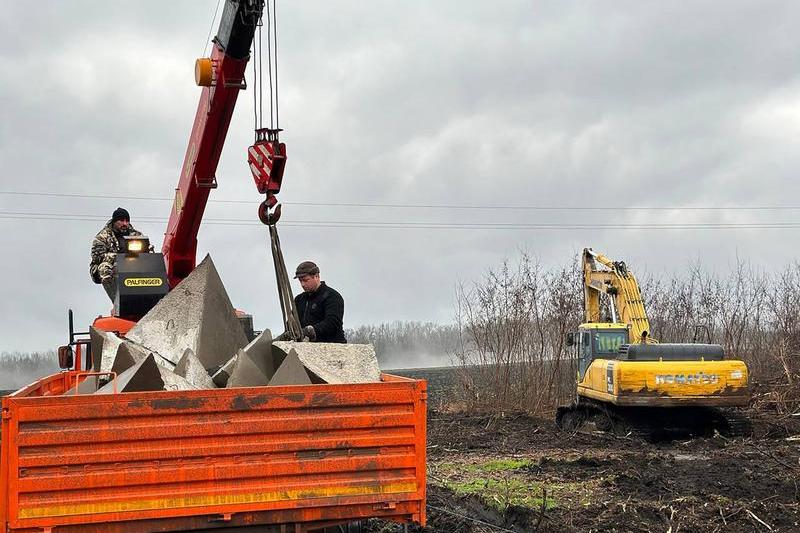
285,336
309,332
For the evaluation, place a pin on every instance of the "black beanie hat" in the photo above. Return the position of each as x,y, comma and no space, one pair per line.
120,214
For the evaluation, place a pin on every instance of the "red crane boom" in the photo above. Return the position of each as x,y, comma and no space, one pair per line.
222,77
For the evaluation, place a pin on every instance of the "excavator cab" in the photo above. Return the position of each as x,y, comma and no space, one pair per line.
597,341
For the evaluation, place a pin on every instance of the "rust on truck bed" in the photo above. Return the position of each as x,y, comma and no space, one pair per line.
306,455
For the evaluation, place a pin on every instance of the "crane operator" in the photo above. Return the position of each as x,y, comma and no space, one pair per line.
108,242
320,307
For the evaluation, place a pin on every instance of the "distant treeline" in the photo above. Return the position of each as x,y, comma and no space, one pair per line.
19,369
409,344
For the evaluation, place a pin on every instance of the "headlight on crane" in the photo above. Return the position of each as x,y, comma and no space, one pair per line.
136,245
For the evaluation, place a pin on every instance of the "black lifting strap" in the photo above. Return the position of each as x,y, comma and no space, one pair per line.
290,317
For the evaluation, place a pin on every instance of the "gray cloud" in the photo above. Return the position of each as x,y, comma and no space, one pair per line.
504,103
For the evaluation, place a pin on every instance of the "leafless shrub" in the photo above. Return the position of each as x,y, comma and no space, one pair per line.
513,324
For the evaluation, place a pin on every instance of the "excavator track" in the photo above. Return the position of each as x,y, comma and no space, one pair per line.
584,415
733,424
651,423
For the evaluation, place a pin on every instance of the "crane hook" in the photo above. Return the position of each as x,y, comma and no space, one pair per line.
265,215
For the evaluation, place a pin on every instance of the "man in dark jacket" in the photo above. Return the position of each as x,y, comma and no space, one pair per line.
320,308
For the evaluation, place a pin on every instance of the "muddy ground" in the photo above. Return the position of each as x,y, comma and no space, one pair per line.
517,473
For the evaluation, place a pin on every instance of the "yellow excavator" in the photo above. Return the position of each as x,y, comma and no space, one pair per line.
629,383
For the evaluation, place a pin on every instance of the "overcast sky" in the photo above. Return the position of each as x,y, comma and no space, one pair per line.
508,103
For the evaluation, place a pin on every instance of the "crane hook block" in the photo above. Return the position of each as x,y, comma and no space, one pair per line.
203,72
267,159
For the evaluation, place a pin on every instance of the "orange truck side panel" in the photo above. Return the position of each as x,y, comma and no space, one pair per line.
306,454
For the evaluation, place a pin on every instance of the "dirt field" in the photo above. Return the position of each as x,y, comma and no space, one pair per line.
516,473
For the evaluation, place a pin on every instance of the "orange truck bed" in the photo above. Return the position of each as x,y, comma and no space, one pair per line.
301,456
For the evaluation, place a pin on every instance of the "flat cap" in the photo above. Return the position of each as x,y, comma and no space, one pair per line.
306,268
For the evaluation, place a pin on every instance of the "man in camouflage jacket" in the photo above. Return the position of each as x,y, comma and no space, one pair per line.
105,247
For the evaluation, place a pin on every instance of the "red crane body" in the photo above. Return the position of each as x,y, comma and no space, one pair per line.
214,112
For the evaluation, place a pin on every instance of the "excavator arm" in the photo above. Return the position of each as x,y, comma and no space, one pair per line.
222,77
602,275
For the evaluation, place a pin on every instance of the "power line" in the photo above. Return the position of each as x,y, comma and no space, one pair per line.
65,217
432,206
210,29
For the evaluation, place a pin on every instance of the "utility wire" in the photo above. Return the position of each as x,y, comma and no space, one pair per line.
210,29
14,215
433,206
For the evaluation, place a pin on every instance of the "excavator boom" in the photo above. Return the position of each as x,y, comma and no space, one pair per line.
605,276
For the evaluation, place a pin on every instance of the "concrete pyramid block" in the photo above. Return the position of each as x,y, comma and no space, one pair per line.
96,337
143,376
335,362
197,314
172,381
108,354
128,354
87,386
251,370
191,369
146,375
139,352
291,372
124,360
223,374
261,346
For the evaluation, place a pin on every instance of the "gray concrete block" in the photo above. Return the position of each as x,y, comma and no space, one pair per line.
172,381
108,354
291,372
197,314
147,375
143,376
336,363
96,337
261,346
129,353
124,359
190,368
251,370
223,374
88,386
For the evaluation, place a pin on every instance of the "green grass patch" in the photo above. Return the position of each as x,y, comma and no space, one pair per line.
504,482
500,465
502,493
